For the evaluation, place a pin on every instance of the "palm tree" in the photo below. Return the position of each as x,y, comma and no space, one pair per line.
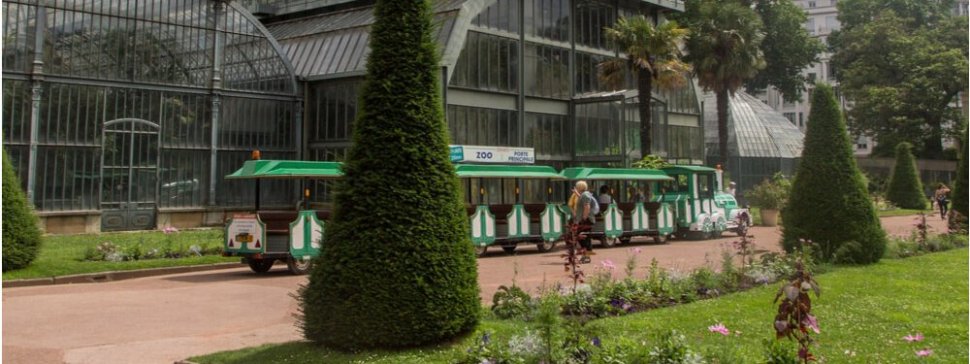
653,56
725,50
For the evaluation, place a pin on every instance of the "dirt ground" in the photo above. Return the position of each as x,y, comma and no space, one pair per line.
167,318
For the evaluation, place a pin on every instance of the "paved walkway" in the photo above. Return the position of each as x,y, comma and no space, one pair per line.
166,318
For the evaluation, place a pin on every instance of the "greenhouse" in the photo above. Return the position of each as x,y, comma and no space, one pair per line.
761,141
126,114
122,115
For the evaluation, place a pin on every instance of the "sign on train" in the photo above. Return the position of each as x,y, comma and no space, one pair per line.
490,154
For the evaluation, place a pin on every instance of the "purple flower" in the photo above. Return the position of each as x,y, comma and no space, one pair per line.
486,338
596,342
924,352
608,264
635,250
810,321
781,326
912,338
720,329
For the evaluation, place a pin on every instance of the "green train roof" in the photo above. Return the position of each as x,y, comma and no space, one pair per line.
687,168
505,171
615,173
287,169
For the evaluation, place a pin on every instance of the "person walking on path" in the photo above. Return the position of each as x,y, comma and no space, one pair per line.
942,199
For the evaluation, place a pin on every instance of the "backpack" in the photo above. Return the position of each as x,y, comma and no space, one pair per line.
594,206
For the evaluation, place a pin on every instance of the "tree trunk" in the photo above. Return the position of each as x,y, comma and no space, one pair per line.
722,127
933,145
644,92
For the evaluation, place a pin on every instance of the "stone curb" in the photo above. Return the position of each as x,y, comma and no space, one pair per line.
116,275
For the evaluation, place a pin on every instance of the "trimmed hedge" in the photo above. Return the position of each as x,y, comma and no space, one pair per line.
397,267
905,189
959,194
21,236
829,203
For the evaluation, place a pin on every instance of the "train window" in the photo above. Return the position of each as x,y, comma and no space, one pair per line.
705,185
533,191
679,184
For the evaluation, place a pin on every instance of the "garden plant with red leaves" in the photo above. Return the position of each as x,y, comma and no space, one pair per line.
575,254
795,319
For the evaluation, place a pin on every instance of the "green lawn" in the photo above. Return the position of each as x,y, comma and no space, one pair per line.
756,214
901,212
62,254
863,310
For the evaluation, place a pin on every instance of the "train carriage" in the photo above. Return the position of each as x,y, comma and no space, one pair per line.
262,237
632,212
510,205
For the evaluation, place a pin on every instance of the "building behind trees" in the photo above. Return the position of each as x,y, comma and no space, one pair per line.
123,115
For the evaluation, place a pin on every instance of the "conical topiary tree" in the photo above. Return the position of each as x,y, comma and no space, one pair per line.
397,267
829,204
959,193
905,189
21,236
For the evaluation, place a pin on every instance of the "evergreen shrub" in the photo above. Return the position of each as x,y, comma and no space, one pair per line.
829,203
958,197
905,188
397,267
21,236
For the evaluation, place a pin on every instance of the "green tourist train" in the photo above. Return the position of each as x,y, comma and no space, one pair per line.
508,206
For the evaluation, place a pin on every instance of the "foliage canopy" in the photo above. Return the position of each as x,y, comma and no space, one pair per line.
829,202
654,58
21,236
905,188
397,268
902,64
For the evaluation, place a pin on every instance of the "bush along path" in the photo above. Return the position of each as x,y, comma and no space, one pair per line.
897,311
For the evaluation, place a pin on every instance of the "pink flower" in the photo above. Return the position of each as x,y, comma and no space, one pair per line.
720,329
924,352
635,250
608,264
170,230
912,338
810,321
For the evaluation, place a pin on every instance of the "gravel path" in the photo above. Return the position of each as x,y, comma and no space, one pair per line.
167,318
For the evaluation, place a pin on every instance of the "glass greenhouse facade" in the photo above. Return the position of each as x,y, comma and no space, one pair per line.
123,114
761,141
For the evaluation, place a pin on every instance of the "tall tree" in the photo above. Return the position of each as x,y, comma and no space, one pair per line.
829,202
653,56
397,268
902,63
787,47
724,49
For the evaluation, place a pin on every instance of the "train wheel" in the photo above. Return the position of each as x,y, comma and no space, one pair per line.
509,249
481,250
545,246
261,265
608,242
299,266
660,239
696,235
